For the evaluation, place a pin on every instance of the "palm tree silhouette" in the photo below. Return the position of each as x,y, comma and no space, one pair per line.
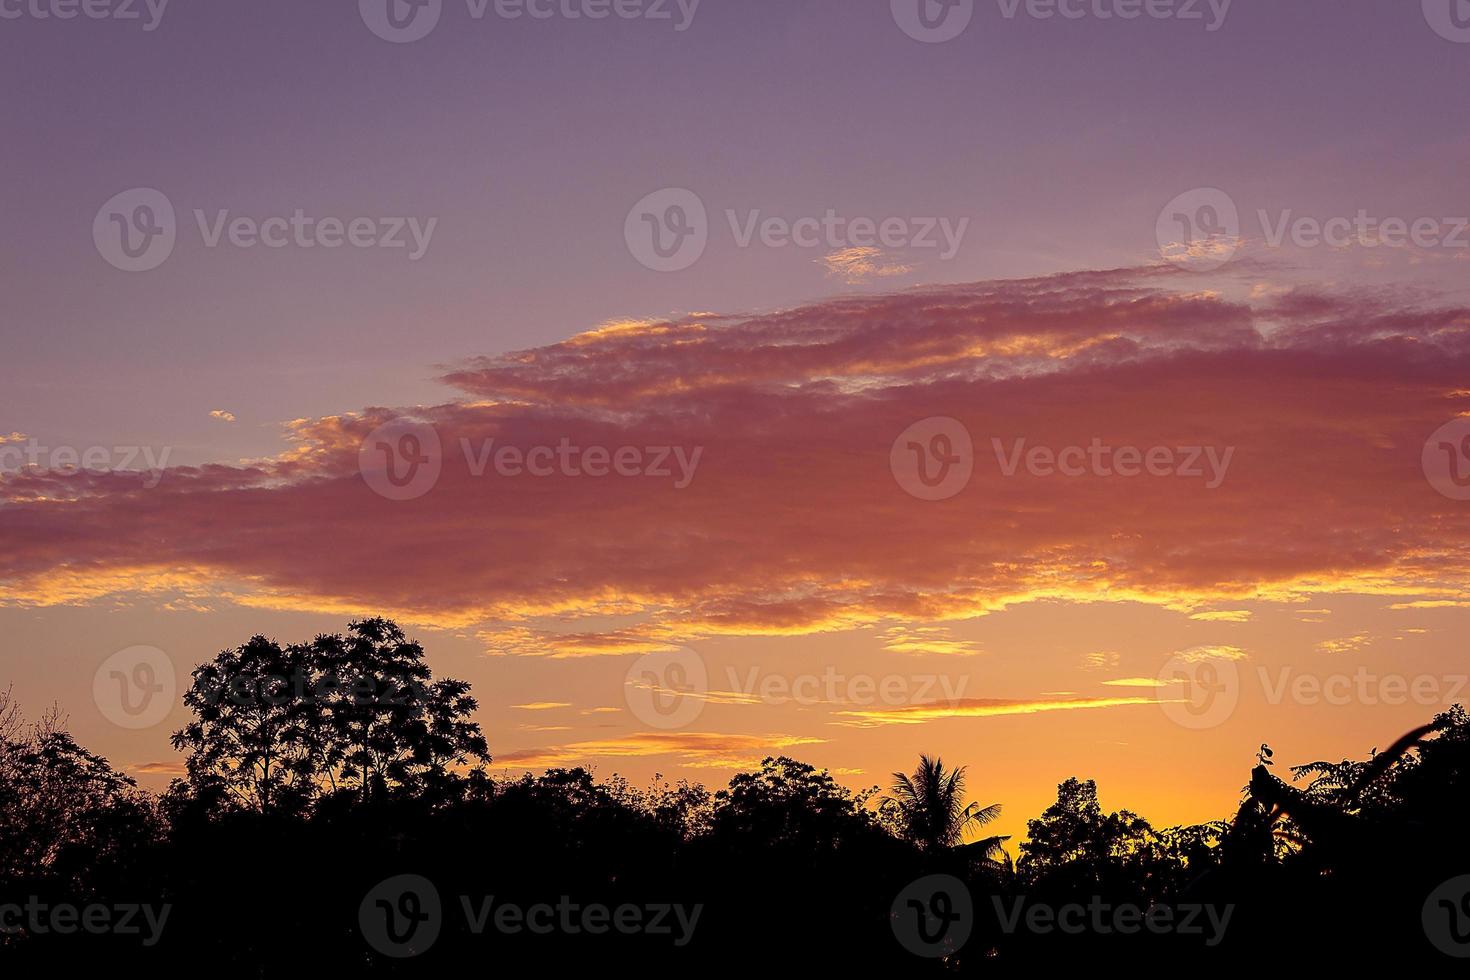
933,814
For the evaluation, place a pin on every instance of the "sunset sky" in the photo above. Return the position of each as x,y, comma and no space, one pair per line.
1024,621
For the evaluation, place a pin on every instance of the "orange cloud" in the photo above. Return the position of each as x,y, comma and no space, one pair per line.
980,708
696,750
1223,616
859,265
794,522
927,639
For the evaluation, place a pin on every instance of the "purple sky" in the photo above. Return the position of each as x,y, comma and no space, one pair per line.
529,140
1058,142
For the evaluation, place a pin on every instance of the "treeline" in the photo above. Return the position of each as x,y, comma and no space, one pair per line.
338,815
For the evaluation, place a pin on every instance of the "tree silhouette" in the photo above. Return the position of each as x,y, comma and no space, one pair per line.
257,736
277,727
65,813
320,771
1073,844
932,813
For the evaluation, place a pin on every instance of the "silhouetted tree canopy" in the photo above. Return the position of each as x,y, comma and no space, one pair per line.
316,771
278,727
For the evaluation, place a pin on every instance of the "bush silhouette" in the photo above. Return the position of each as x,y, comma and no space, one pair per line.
305,806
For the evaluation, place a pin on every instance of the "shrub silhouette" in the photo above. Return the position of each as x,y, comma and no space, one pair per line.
294,809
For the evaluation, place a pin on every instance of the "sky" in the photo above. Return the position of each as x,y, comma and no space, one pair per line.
861,420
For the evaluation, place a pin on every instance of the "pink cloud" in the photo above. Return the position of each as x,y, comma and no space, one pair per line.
793,521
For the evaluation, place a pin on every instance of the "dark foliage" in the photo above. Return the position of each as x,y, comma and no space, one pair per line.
296,809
